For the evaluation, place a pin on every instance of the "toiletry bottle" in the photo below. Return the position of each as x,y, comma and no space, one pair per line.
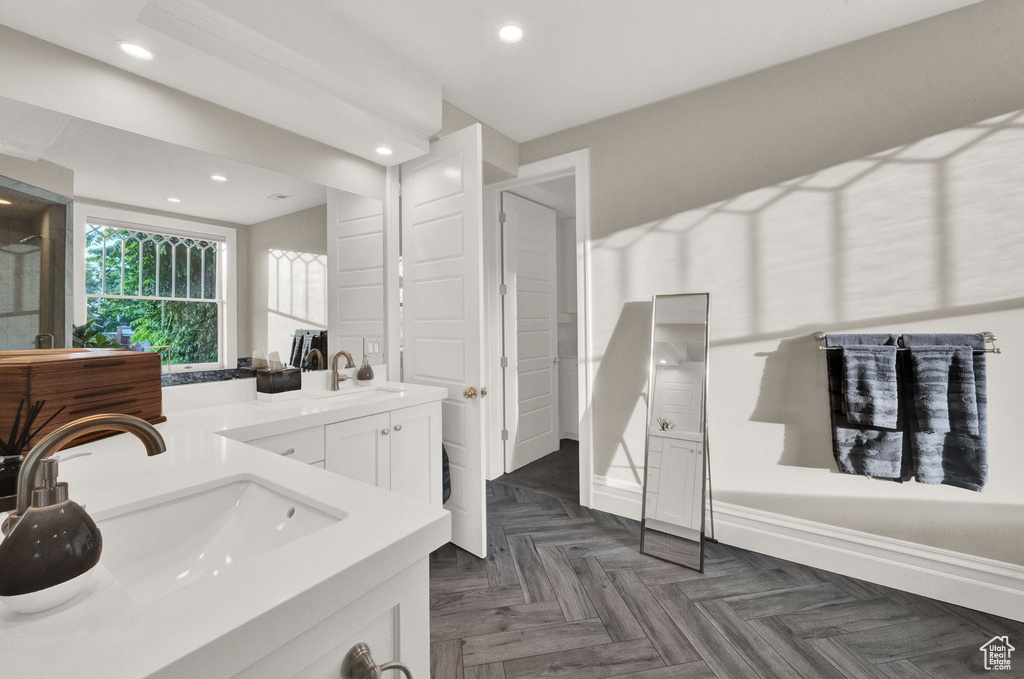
365,374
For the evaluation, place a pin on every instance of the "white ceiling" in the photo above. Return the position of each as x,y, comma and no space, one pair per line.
352,73
585,59
121,167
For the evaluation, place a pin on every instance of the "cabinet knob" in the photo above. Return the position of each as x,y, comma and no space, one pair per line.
359,664
385,431
290,451
470,392
398,427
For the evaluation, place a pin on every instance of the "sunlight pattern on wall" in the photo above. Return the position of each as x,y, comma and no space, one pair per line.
931,228
297,285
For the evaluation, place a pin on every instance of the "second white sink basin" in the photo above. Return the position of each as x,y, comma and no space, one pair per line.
349,392
159,549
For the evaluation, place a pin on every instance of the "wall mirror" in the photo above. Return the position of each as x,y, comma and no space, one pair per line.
674,471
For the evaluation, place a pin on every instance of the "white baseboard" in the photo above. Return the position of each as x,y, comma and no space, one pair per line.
986,585
622,498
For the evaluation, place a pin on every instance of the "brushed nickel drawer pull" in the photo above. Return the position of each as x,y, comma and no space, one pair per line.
359,664
398,427
290,451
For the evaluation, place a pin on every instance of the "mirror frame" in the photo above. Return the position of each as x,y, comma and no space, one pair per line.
704,422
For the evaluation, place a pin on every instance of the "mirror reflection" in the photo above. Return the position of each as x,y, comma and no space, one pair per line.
673,518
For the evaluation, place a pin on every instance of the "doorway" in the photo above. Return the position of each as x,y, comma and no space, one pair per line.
540,359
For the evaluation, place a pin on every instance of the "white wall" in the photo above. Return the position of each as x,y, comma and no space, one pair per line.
855,190
287,279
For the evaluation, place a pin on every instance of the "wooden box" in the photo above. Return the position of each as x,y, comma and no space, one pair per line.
84,381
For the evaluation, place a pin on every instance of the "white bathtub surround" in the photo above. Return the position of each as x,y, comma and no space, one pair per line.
352,569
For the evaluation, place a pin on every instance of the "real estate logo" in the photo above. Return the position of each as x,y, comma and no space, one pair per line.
997,652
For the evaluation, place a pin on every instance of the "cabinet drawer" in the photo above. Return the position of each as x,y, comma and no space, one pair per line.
307,445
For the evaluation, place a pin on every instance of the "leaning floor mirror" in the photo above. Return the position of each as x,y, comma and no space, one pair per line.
674,470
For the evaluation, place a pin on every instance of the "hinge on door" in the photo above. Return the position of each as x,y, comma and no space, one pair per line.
399,189
502,289
504,434
501,217
504,361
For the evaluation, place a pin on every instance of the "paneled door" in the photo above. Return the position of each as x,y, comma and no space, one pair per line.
442,312
531,330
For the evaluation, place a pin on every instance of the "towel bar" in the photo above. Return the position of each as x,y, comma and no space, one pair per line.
989,338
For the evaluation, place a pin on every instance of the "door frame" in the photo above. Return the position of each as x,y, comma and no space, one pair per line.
577,164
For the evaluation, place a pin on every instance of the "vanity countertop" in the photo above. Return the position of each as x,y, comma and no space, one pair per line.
218,625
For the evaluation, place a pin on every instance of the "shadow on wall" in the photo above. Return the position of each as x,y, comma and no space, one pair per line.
792,386
630,343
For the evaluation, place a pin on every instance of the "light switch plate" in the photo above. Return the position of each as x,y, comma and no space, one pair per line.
373,349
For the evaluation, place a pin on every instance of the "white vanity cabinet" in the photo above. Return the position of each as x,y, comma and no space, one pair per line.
398,451
392,619
360,449
674,465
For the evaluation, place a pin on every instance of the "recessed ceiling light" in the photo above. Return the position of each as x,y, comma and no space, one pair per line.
384,150
133,50
510,33
4,202
218,178
174,200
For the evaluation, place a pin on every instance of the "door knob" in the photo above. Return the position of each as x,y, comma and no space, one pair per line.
398,427
385,431
470,392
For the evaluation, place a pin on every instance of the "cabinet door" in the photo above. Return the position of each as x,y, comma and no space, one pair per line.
681,466
416,452
361,449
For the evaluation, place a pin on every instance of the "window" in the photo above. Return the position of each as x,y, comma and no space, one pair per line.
157,291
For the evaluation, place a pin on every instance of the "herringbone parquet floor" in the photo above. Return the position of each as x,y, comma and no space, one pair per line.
564,593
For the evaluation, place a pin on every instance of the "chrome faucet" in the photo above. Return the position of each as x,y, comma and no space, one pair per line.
52,442
319,358
335,377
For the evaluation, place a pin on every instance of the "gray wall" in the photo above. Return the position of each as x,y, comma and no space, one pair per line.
778,193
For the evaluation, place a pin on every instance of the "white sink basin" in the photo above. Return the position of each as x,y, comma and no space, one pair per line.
159,549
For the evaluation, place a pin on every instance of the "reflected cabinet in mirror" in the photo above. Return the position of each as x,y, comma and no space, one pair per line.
674,470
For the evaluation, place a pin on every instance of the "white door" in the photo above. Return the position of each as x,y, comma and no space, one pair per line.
677,396
531,331
442,257
355,278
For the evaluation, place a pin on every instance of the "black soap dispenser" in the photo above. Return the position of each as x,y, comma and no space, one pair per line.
365,373
51,550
